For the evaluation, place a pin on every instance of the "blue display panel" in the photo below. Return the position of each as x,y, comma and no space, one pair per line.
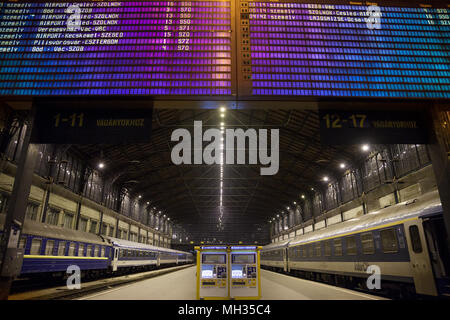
115,47
300,49
159,48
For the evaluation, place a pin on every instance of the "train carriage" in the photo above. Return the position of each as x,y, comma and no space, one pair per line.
275,256
405,242
52,249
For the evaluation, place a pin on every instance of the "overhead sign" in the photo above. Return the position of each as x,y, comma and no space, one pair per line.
376,127
86,126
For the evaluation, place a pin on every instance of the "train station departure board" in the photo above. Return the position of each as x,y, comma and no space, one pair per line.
235,49
115,48
306,49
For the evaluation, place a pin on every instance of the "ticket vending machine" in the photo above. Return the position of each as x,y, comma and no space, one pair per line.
212,272
245,279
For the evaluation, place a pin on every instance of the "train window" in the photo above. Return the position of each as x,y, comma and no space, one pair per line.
304,251
367,243
102,253
89,250
337,247
22,242
389,240
327,248
36,246
96,249
81,250
71,248
351,245
310,251
415,239
61,248
49,247
318,249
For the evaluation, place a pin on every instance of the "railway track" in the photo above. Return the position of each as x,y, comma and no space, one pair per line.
48,291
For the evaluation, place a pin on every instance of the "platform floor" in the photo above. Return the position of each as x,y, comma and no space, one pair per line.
180,285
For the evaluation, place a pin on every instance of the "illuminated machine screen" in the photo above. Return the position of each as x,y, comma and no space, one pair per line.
243,258
213,259
304,49
115,47
207,274
236,273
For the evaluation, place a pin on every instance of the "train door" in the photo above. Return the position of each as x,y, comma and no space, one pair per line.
420,263
285,258
436,237
115,259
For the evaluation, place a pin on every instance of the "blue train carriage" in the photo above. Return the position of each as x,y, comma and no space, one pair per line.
274,256
406,241
51,250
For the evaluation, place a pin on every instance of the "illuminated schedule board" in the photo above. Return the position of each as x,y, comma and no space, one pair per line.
343,50
115,48
230,50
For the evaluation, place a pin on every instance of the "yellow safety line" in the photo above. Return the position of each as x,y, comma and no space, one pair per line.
61,257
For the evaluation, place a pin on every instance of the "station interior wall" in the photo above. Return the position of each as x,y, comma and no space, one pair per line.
133,220
389,174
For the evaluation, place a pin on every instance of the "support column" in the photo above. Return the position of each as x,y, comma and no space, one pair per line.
77,222
100,228
440,152
116,235
10,256
45,205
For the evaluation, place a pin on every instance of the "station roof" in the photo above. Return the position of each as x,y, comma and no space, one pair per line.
190,194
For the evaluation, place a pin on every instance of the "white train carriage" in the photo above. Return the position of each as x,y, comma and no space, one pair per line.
274,256
406,242
134,255
128,254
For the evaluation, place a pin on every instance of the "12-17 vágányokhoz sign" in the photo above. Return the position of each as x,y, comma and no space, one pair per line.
376,127
91,125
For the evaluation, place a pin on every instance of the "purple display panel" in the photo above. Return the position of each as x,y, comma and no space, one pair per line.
115,48
343,50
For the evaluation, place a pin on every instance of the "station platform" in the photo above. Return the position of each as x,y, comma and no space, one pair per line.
181,285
